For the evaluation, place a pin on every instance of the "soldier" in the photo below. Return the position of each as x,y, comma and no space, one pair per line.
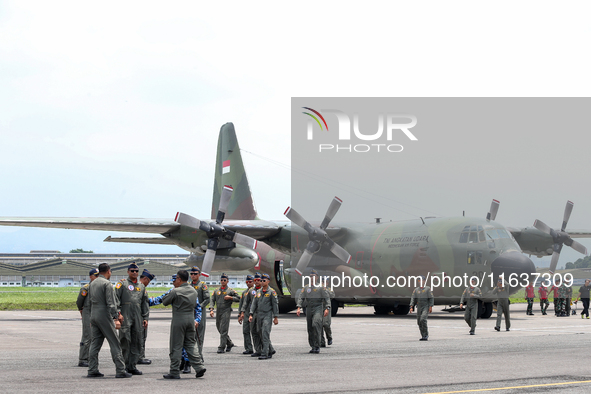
529,296
543,293
326,322
146,277
568,299
254,325
557,300
245,303
318,306
502,292
471,294
563,294
204,299
133,305
104,318
83,304
186,315
265,304
223,297
422,297
584,295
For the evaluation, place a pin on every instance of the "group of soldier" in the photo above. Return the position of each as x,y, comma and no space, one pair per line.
125,307
422,298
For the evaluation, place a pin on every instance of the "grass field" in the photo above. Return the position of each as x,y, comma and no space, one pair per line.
64,298
52,298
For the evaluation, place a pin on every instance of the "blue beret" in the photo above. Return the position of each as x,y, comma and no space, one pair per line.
313,272
257,276
93,271
147,274
249,277
224,276
195,269
132,265
266,276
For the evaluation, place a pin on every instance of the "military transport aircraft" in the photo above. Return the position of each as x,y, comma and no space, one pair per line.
237,239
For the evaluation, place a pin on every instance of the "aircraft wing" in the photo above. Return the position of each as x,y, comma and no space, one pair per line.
137,240
579,233
134,225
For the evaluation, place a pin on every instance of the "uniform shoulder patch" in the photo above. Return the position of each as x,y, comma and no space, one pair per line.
84,293
118,285
204,286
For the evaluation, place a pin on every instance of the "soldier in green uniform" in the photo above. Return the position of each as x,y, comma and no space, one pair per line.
317,307
223,297
146,277
471,295
83,304
103,318
502,292
266,306
133,305
254,325
204,299
326,322
186,315
422,297
245,303
563,295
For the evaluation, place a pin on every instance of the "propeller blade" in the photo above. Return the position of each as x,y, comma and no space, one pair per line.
303,262
567,211
341,253
554,262
296,217
579,247
543,227
333,208
224,202
187,220
208,262
260,247
492,212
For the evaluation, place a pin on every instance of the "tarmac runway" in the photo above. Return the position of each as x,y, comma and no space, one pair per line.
39,354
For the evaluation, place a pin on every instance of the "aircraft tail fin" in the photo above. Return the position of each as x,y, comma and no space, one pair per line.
229,170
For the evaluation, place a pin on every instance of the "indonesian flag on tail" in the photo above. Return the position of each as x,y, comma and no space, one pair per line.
226,167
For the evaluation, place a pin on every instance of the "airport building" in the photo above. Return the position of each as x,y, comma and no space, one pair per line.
55,269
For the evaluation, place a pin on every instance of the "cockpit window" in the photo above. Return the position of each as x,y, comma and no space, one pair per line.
473,234
492,234
503,233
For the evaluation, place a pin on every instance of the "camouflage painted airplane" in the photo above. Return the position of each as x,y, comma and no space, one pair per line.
237,239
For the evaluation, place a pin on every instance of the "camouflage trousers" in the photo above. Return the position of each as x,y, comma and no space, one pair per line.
530,305
544,303
559,305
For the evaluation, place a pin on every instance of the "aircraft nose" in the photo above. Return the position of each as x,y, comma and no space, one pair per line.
512,263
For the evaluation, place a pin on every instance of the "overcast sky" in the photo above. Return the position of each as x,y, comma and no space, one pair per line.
113,109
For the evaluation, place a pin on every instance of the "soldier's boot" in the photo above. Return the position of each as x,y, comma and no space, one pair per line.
187,368
256,354
230,346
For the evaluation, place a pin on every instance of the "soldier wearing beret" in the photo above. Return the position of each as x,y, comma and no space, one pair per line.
502,292
254,325
317,307
244,306
204,300
470,298
133,305
223,298
83,304
146,277
265,304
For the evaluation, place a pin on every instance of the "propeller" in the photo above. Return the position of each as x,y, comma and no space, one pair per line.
492,212
317,236
560,237
216,231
